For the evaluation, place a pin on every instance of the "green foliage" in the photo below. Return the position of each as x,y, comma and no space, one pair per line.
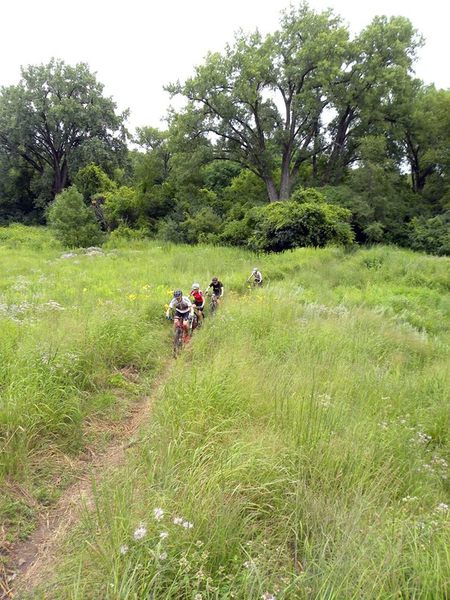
202,226
308,195
92,180
431,235
286,225
52,114
122,207
74,224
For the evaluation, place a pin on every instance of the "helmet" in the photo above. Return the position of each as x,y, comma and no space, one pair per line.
215,280
178,294
255,269
195,286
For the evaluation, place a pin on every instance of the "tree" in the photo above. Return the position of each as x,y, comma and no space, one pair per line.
266,101
73,222
422,129
372,79
55,111
263,98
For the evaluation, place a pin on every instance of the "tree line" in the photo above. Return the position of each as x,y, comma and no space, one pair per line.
301,137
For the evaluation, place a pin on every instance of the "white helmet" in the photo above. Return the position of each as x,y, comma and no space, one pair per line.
255,269
195,286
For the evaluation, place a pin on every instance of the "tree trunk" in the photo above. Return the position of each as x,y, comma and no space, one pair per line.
271,189
335,167
286,183
60,174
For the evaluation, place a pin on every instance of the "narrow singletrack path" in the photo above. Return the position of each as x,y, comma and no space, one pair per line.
29,559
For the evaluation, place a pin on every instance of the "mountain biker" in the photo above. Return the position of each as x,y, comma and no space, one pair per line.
183,312
256,275
199,301
217,288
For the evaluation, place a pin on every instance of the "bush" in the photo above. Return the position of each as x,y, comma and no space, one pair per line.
285,225
121,206
73,223
92,180
308,195
431,235
237,232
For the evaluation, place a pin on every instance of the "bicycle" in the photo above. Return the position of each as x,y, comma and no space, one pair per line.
197,319
180,336
213,302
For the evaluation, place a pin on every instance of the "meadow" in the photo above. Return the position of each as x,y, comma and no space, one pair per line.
298,449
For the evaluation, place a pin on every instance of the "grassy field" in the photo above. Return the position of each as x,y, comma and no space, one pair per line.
298,449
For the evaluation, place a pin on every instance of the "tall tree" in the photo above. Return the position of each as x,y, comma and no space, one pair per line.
421,127
372,78
54,111
263,98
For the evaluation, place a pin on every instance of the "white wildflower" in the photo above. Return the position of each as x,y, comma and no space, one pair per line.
409,498
422,438
250,564
162,555
158,514
178,520
267,596
140,532
123,549
198,597
187,525
163,535
442,507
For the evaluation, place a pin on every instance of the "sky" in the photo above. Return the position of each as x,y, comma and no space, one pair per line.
137,47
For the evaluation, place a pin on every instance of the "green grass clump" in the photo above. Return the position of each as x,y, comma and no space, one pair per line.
298,449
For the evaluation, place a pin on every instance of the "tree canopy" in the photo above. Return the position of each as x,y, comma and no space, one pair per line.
267,101
54,112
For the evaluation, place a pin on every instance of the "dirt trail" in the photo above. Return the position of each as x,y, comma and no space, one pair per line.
28,560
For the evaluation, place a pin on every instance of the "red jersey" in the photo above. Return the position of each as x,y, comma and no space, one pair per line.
198,297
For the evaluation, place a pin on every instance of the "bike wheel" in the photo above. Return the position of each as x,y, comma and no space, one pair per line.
177,342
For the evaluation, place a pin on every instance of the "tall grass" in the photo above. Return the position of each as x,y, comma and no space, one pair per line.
71,326
299,449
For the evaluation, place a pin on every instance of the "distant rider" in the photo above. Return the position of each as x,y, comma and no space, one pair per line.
257,277
199,301
217,288
182,310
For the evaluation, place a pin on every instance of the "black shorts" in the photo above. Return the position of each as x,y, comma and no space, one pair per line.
182,315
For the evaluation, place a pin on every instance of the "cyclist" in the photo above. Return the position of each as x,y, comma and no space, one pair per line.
182,310
217,287
199,302
257,277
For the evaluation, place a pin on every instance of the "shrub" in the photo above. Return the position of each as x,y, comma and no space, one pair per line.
204,222
285,225
431,235
308,195
121,206
92,180
73,223
237,232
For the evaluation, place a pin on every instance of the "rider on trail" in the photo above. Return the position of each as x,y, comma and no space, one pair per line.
199,301
217,288
183,311
256,275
